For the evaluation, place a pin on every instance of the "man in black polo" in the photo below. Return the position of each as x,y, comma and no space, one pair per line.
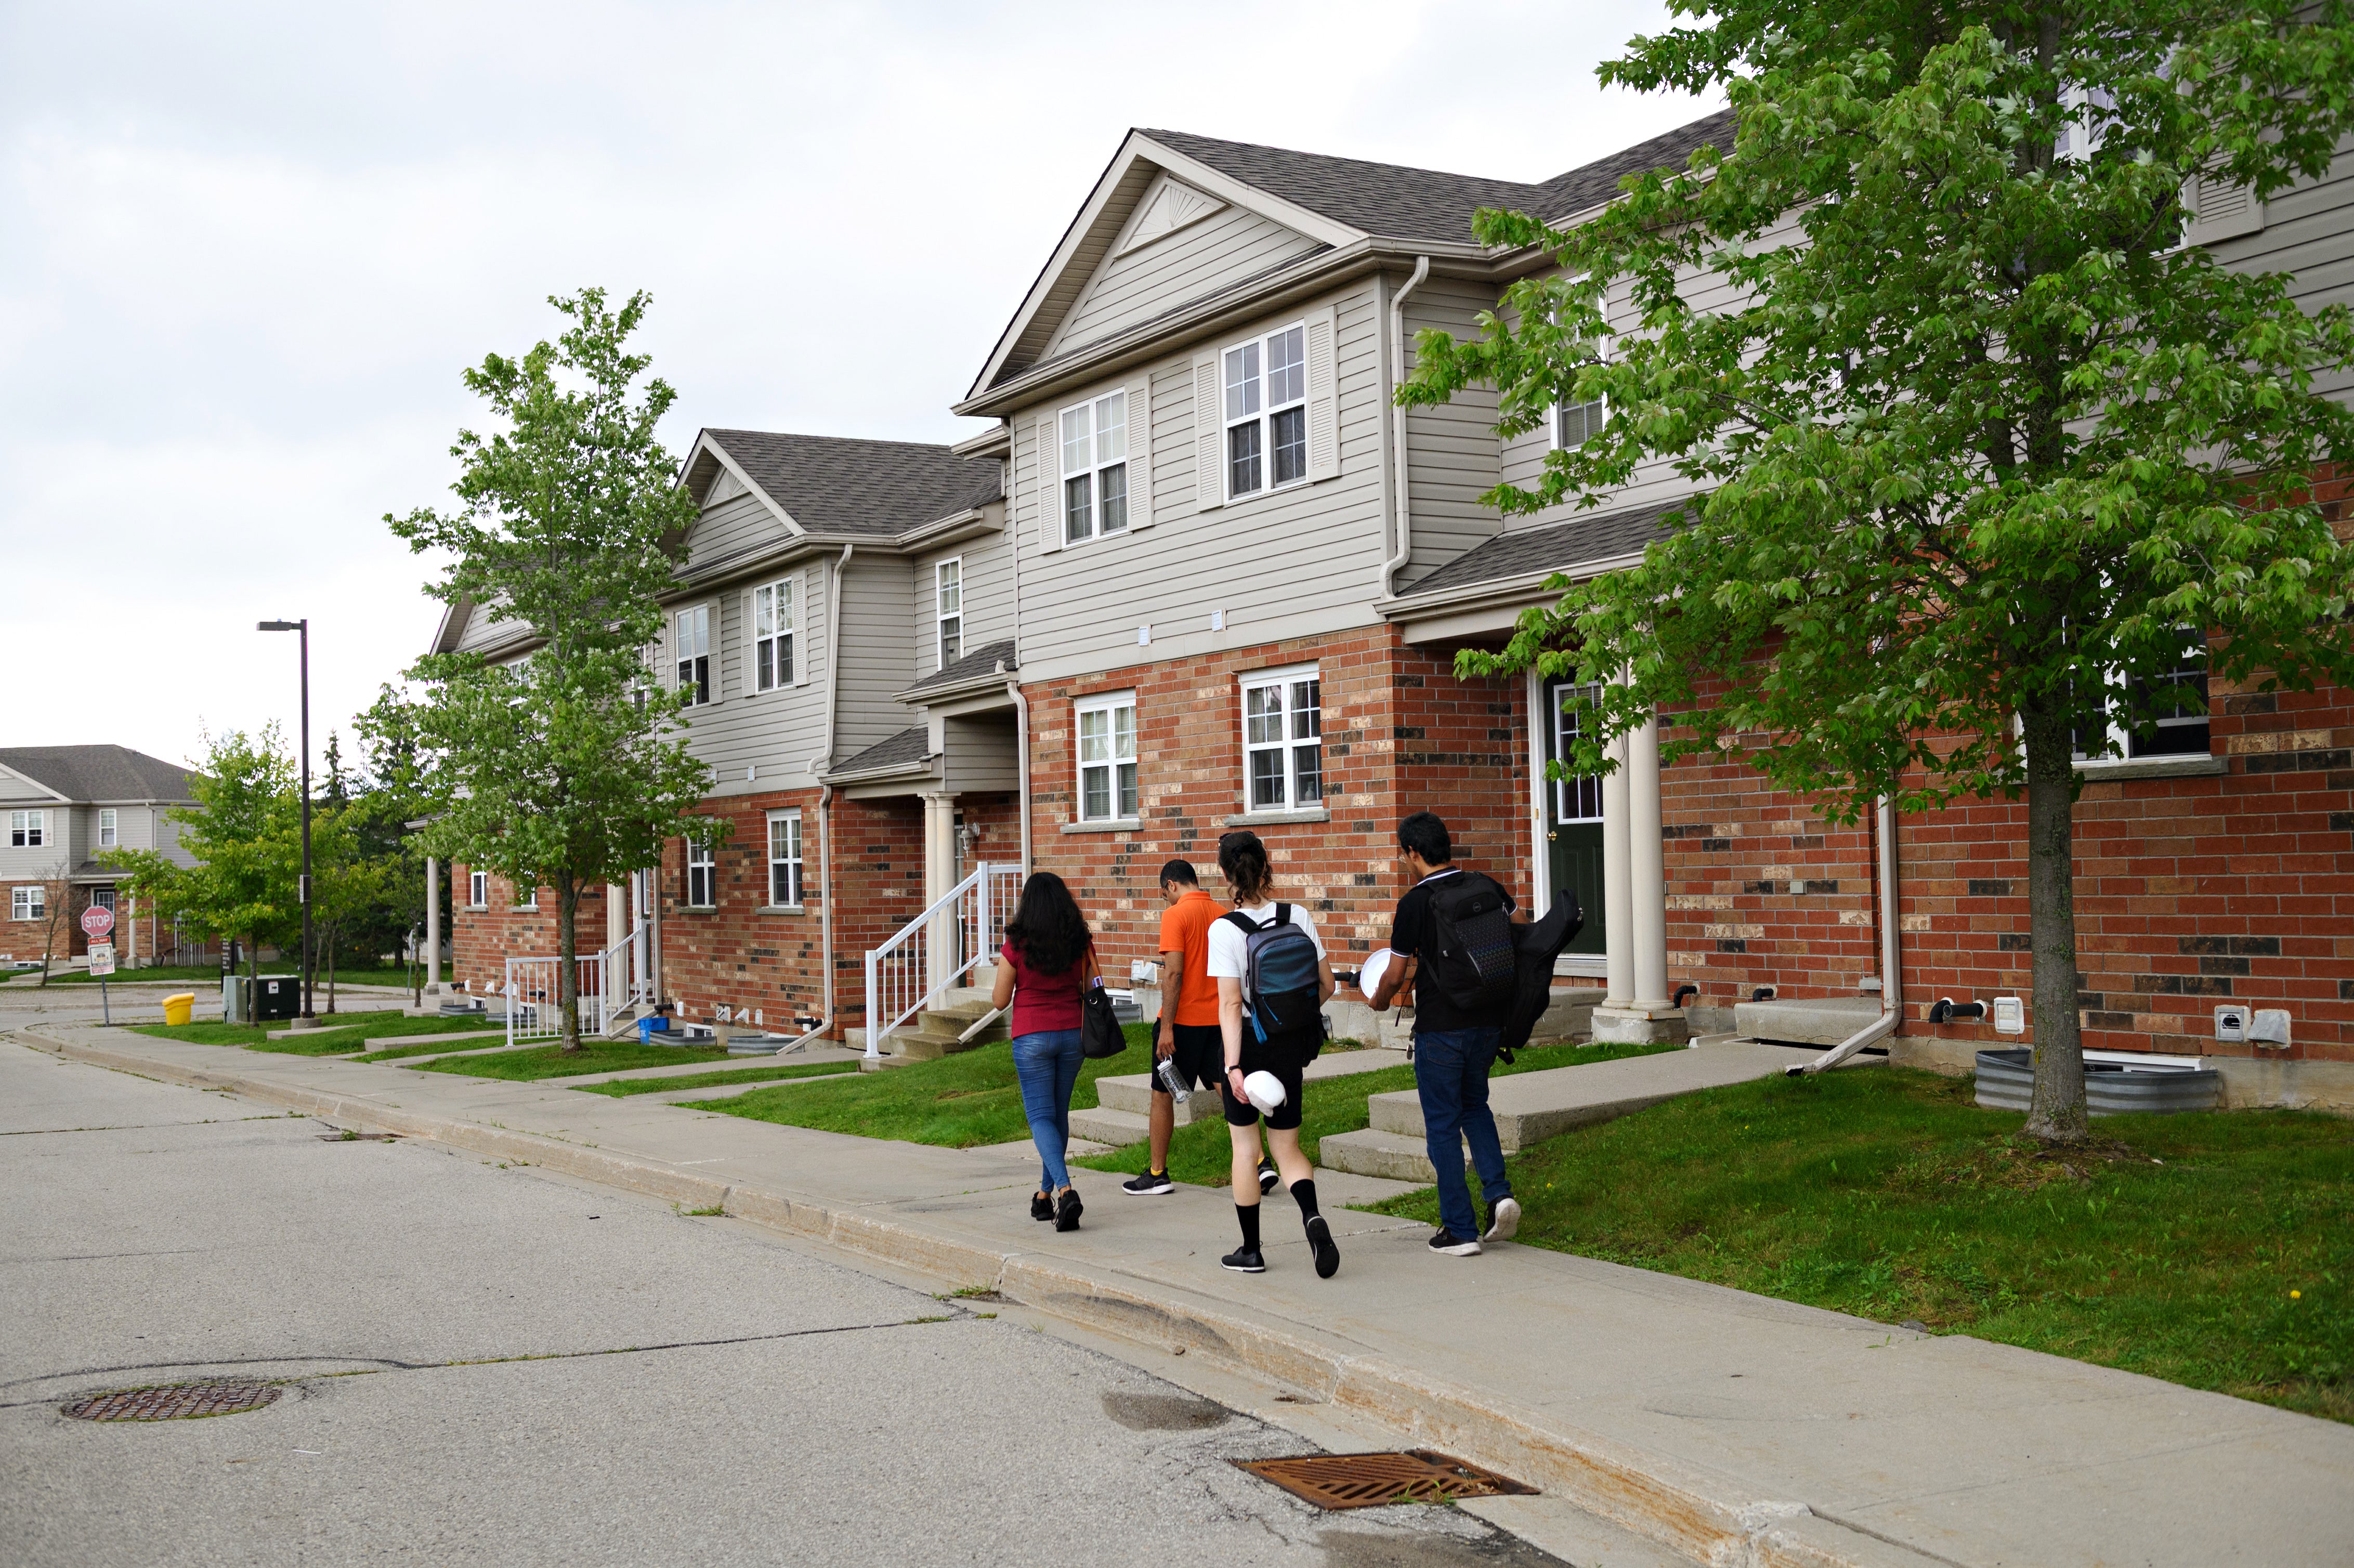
1453,1050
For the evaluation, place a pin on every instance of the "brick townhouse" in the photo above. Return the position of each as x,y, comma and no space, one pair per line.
1202,573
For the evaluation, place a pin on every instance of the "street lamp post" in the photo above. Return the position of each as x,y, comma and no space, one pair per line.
303,887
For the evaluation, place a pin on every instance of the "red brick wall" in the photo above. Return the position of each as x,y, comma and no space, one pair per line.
482,940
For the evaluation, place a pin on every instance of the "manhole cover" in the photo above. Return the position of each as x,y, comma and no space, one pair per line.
179,1403
1368,1480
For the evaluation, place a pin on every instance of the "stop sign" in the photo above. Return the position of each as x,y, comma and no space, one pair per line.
97,921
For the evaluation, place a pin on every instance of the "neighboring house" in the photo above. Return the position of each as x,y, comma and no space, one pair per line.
64,805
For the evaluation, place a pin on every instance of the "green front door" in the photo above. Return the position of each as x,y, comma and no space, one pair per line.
1574,824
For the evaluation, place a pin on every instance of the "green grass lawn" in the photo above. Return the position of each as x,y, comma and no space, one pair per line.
490,1037
2212,1249
555,1061
619,1088
350,1031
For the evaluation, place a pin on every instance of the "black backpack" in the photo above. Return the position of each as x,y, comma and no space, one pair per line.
1471,943
1282,985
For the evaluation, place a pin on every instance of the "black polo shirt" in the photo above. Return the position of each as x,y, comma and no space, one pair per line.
1411,936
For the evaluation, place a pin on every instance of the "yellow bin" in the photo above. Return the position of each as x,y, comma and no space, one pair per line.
177,1008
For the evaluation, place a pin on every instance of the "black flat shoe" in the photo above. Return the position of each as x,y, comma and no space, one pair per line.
1067,1210
1042,1207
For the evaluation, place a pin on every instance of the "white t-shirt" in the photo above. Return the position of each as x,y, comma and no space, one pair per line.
1229,943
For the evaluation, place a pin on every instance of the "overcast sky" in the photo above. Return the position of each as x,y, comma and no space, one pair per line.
245,251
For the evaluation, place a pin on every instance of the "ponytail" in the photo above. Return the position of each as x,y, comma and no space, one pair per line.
1243,860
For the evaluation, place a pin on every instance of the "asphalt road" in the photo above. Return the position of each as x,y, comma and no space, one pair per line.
489,1364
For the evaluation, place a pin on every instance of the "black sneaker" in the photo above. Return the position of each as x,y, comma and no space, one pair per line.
1067,1210
1328,1257
1244,1260
1267,1176
1042,1207
1152,1184
1503,1219
1453,1245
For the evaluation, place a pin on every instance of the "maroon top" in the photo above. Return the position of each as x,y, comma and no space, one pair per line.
1041,1002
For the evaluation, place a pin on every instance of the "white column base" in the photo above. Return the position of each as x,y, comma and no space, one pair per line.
1624,1023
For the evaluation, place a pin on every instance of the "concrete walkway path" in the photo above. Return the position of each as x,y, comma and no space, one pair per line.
1727,1429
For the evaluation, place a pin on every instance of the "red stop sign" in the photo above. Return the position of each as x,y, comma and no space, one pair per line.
97,921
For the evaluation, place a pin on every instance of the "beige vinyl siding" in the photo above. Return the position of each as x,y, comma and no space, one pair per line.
1297,562
483,632
773,733
1222,248
878,602
1452,453
2309,231
987,597
735,525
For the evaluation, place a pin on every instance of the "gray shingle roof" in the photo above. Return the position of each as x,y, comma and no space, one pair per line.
905,749
981,661
1595,536
99,773
836,486
1391,201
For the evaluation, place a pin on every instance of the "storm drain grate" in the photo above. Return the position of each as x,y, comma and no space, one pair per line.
1368,1480
180,1401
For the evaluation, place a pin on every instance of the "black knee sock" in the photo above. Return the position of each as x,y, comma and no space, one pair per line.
1305,1192
1249,1218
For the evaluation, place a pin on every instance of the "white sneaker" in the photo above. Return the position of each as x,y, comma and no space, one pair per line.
1503,1220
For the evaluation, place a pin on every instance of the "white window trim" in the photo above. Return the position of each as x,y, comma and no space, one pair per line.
1264,419
1289,809
1094,470
110,829
678,656
478,889
34,827
1106,702
1553,414
940,617
27,903
710,853
2121,737
784,633
531,903
1562,788
800,860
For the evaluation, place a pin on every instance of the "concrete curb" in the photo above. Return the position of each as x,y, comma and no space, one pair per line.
1699,1514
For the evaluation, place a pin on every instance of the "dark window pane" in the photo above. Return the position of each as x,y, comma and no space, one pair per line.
1078,509
1098,789
1579,423
1128,788
1307,775
1267,778
1289,436
784,660
951,640
1115,498
764,656
1242,460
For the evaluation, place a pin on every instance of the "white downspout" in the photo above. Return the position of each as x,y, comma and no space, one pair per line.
1891,1006
817,766
1397,424
1022,761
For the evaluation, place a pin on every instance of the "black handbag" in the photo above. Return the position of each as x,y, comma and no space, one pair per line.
1099,1032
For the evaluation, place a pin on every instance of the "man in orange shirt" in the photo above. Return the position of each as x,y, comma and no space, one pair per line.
1189,1035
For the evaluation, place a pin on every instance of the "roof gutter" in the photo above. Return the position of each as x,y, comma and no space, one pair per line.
1397,425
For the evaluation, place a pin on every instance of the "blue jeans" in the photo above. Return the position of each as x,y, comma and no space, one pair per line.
1450,1074
1048,1066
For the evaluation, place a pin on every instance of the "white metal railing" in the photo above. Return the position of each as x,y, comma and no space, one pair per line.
533,1009
937,948
624,965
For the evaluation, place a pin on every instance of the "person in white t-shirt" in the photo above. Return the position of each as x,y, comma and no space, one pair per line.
1243,858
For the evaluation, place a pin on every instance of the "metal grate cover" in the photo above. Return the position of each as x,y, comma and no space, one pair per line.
181,1401
1368,1480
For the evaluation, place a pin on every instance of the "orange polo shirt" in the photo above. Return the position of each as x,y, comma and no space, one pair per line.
1185,928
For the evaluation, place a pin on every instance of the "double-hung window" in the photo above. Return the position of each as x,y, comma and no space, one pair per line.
478,889
785,859
1283,740
948,608
107,838
1266,412
772,636
527,897
702,873
1094,468
1108,759
27,903
27,830
2159,714
694,630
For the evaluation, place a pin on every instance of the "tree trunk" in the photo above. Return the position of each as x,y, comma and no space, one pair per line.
567,944
2056,1114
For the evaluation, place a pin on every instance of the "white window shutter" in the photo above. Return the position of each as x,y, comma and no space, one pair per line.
1323,397
2219,209
804,609
1209,434
1049,484
748,626
1140,452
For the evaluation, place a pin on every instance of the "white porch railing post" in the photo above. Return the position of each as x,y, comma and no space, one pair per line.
922,958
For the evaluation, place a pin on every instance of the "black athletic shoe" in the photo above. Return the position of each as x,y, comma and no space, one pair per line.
1503,1219
1042,1207
1067,1210
1267,1176
1328,1257
1152,1184
1244,1260
1453,1245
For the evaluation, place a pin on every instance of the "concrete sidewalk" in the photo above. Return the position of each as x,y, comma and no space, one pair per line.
1728,1427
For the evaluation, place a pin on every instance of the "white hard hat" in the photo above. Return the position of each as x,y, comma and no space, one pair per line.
1264,1090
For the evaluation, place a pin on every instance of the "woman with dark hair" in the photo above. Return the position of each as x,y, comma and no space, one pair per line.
1049,957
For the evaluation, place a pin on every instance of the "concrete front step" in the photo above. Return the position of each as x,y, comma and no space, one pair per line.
1818,1020
1116,1127
1369,1151
1132,1092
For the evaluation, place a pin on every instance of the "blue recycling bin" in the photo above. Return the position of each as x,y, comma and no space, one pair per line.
650,1027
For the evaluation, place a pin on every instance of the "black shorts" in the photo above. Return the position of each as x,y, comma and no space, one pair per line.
1242,1113
1200,1057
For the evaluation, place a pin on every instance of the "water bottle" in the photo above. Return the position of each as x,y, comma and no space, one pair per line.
1172,1080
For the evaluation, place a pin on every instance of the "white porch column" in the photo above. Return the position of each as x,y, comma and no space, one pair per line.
1617,885
617,925
432,926
130,933
939,875
1637,903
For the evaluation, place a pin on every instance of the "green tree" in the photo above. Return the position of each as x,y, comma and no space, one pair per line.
567,768
1979,436
244,836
